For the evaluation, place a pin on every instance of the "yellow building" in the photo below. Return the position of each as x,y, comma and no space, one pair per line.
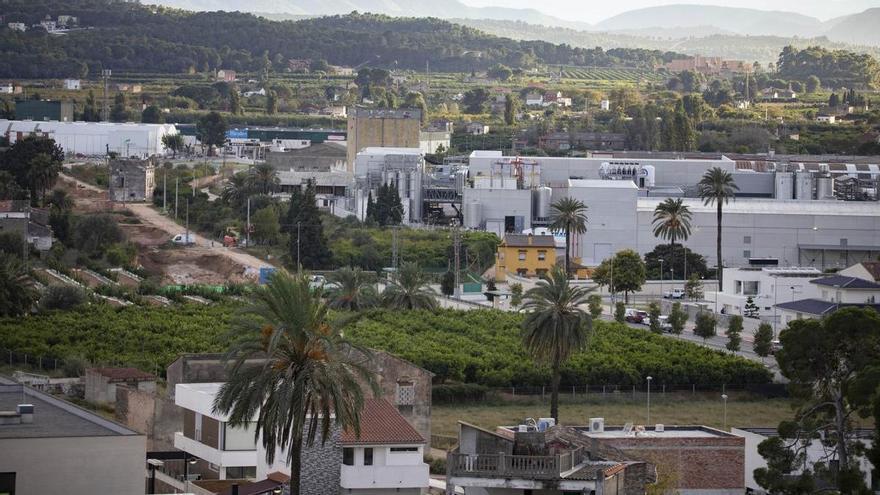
389,128
526,255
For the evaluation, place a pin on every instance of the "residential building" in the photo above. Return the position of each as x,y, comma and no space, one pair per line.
48,25
815,452
526,459
774,94
6,89
101,383
556,98
94,138
605,105
373,128
835,292
441,126
298,64
17,26
477,128
341,71
866,270
44,110
526,255
48,445
534,100
31,223
67,21
826,119
767,286
226,75
72,84
128,87
132,179
336,111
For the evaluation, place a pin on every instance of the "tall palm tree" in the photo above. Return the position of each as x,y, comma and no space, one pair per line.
672,221
350,289
717,186
309,374
568,215
409,289
236,190
555,326
264,178
17,293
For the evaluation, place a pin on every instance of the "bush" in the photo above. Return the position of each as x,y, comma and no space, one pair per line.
595,304
62,297
620,312
450,393
436,465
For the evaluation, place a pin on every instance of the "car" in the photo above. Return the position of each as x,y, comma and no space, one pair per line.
184,239
674,294
665,326
635,316
775,346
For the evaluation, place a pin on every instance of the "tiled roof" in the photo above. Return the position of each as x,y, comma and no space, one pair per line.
124,374
819,307
846,282
873,268
522,240
382,424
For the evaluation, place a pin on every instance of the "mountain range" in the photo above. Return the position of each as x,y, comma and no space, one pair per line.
679,21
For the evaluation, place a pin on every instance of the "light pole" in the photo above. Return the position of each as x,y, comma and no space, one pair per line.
724,398
661,277
649,398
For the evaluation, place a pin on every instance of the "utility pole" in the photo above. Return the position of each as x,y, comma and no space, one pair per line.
176,186
456,240
105,108
394,248
248,228
186,239
298,232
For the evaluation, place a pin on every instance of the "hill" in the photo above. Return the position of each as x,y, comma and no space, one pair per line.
857,28
127,36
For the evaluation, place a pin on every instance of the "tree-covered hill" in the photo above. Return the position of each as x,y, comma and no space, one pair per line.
126,36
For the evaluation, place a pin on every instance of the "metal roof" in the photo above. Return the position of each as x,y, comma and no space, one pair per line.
845,282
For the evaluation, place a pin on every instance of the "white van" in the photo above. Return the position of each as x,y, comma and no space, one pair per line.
184,239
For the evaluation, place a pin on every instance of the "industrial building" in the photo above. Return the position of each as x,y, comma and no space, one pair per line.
401,167
392,128
790,211
94,138
44,110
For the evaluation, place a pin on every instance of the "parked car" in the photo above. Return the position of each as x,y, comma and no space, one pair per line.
775,346
635,316
665,326
184,239
674,294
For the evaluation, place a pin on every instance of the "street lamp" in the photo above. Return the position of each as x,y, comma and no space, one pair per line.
649,398
661,276
724,398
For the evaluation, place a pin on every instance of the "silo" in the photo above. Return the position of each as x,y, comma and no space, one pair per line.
825,188
541,199
784,185
803,186
473,215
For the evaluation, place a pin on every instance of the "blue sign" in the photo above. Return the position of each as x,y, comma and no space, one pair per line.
237,134
265,273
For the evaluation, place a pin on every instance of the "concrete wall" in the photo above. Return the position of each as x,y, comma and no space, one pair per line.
147,413
75,465
132,180
495,204
321,466
368,128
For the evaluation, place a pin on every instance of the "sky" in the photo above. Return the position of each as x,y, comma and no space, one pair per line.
594,11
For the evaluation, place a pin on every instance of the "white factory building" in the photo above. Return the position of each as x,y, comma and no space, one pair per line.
94,138
402,167
789,213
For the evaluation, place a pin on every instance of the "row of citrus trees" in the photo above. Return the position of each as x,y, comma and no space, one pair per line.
482,347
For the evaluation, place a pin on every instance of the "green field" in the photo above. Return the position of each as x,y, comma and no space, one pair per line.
611,74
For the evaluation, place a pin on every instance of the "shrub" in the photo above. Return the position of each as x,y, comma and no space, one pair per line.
595,304
62,297
620,312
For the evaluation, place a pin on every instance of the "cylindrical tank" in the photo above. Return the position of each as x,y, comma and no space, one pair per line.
784,188
541,197
473,215
825,188
650,175
803,187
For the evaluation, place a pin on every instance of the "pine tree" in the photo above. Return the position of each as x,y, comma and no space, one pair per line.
751,309
395,207
371,207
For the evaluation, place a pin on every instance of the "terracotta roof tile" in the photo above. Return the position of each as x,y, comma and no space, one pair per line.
381,423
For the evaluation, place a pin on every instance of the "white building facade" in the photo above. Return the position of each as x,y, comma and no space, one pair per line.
94,138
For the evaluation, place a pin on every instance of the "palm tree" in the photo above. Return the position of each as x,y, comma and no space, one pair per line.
717,186
264,178
672,221
236,190
555,326
350,290
309,374
409,289
17,293
568,216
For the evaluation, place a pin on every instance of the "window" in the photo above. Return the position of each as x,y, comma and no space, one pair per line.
522,254
348,456
747,239
747,254
7,483
406,393
241,472
368,456
404,449
542,255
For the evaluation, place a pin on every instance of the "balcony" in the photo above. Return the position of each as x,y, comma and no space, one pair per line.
546,467
217,457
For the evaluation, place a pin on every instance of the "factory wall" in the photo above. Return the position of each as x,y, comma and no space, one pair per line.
495,205
611,214
94,138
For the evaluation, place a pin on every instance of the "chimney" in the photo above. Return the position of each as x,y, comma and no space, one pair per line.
27,413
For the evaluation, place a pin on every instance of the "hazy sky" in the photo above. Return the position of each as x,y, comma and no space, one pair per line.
594,11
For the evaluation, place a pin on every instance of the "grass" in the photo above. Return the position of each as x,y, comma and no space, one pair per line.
679,409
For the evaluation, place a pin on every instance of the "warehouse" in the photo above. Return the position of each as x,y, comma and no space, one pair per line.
94,138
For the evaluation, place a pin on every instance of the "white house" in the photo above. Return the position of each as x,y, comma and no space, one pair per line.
835,292
767,286
72,84
477,128
816,452
826,119
6,89
17,26
605,104
534,100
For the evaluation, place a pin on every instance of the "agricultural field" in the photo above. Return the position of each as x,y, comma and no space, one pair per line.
611,74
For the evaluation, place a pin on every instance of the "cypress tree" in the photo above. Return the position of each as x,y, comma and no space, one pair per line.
304,222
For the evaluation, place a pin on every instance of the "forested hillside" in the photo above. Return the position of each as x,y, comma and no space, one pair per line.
126,36
837,68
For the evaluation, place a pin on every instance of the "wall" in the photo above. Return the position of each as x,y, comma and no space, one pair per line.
365,131
132,180
147,413
75,465
96,387
497,204
321,466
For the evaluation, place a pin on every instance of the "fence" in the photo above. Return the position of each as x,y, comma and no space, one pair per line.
625,392
35,361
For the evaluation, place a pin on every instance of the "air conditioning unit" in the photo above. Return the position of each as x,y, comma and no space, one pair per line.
597,425
547,422
659,428
522,428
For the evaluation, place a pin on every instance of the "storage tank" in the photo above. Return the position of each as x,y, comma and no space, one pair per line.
473,215
649,174
784,188
825,188
541,198
803,186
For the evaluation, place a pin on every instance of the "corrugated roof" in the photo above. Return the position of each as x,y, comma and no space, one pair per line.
522,240
382,424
